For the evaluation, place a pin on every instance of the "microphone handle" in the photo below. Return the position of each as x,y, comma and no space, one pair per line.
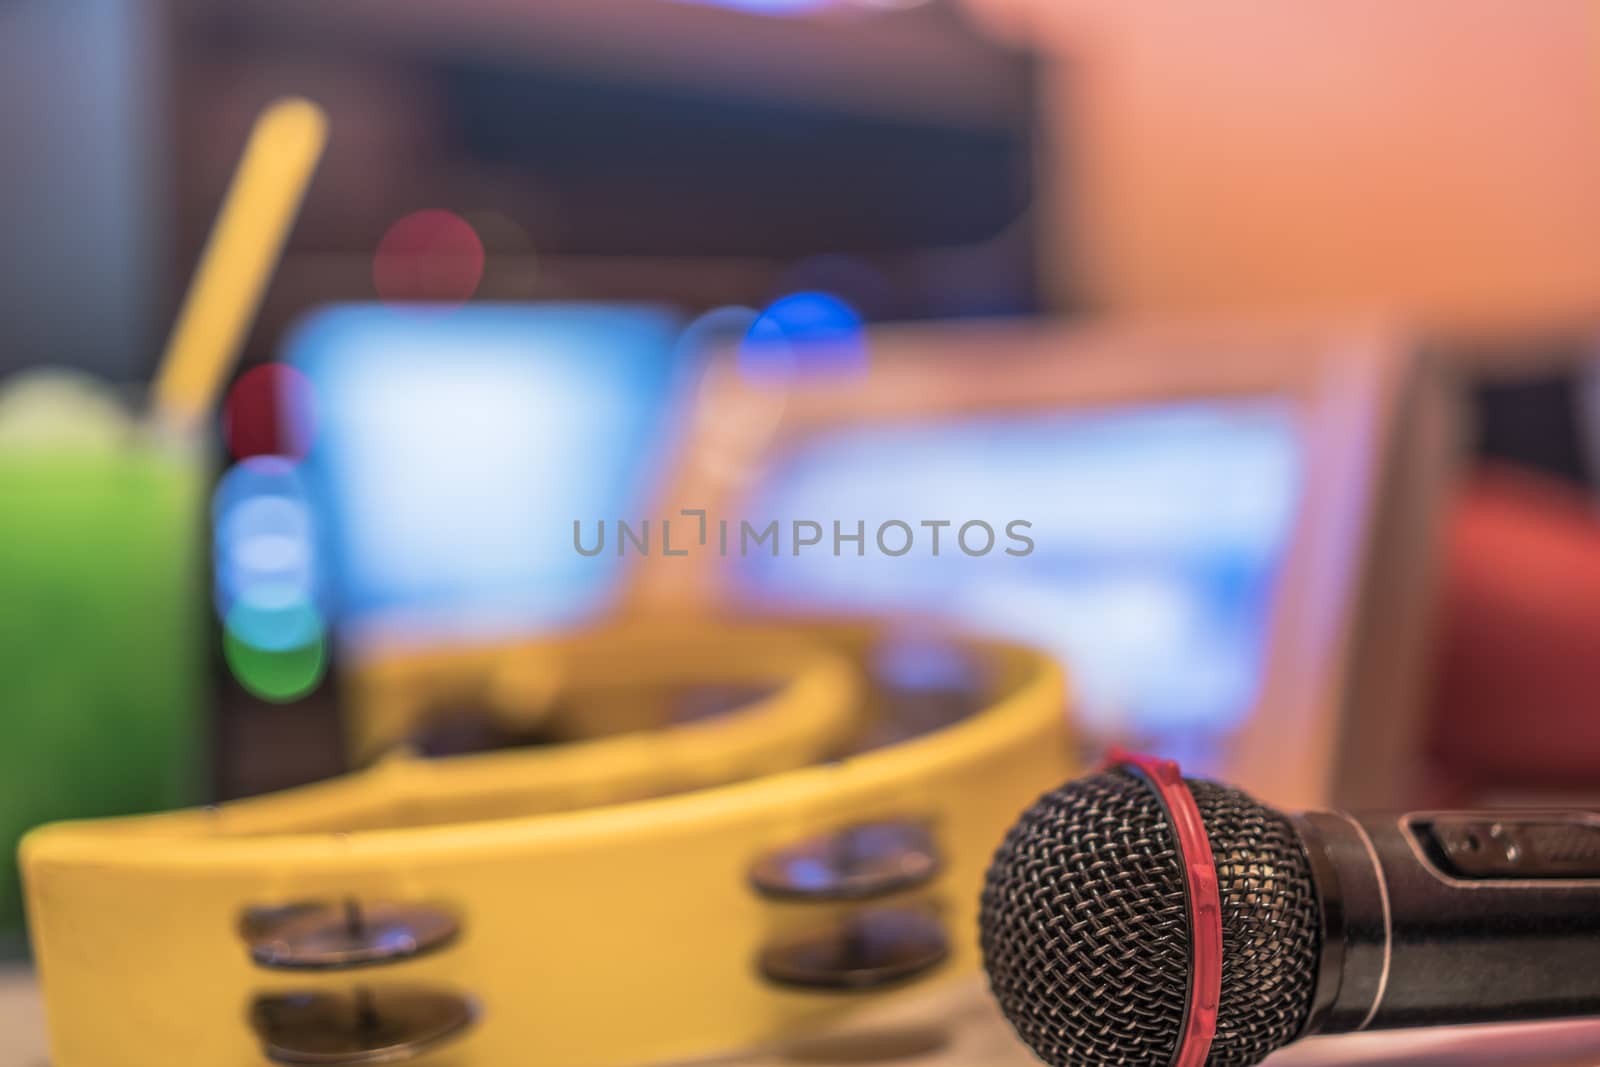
1436,918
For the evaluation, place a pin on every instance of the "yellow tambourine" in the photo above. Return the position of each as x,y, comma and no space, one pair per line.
470,911
596,717
624,679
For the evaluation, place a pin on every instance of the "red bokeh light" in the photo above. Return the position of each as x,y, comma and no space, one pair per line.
431,256
269,412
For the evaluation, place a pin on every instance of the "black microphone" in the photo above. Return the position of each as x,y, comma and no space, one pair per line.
1094,924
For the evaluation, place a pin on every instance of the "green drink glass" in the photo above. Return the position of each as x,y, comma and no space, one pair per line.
101,613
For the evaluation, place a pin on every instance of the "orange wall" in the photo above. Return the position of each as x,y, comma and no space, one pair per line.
1430,156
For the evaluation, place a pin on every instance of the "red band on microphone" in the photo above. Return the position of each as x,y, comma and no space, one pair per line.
1205,902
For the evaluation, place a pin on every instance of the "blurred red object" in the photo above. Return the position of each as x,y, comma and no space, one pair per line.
428,256
1516,692
269,413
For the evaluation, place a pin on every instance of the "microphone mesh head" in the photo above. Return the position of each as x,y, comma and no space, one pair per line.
1085,926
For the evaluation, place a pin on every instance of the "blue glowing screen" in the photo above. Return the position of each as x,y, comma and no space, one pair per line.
1157,534
454,449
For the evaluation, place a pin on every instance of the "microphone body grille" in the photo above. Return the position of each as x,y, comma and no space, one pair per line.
1085,930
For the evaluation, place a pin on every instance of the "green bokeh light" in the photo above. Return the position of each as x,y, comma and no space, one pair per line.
279,676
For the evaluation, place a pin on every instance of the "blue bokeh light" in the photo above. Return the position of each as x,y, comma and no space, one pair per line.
264,541
275,623
266,578
805,334
254,478
767,7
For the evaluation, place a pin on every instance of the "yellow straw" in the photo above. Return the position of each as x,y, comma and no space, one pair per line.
246,242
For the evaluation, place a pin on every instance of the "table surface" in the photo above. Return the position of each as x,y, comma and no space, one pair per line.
960,1027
